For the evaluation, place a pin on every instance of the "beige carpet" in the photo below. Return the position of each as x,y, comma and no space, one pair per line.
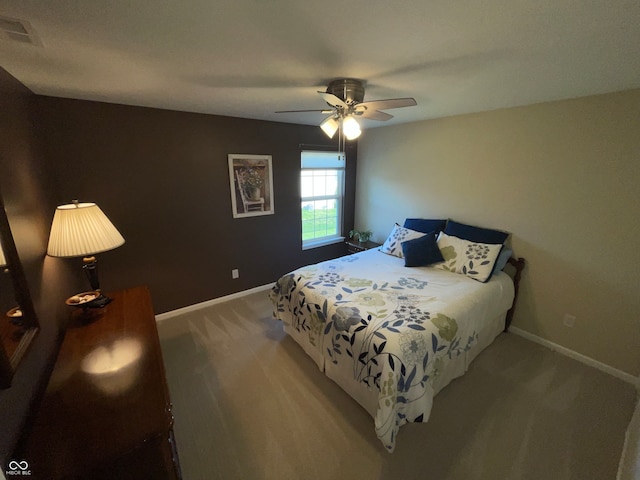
249,404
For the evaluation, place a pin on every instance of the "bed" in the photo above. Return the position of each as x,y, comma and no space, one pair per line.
393,336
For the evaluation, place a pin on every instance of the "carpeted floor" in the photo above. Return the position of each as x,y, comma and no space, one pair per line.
249,404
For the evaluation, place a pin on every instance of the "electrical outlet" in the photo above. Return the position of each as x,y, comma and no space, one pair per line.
235,273
569,320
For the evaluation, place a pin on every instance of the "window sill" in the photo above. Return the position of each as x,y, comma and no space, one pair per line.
321,243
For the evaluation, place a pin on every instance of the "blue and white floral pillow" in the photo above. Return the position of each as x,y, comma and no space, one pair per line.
473,259
393,243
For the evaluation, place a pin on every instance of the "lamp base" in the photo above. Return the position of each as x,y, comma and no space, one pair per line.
90,268
100,302
94,299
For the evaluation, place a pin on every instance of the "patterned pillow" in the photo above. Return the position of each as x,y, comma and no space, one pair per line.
473,259
393,243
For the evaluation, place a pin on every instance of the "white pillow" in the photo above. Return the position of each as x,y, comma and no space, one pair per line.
473,259
393,243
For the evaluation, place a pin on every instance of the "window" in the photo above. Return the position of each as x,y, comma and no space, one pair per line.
321,194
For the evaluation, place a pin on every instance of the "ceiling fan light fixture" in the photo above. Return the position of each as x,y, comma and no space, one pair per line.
330,126
351,128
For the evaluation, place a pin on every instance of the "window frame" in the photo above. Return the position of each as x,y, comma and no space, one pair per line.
336,161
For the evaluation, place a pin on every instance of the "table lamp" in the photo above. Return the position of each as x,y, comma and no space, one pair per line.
83,230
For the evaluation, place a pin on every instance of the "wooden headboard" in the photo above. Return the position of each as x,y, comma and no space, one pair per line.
518,264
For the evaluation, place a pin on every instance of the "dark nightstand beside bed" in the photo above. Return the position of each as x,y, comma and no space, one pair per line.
353,246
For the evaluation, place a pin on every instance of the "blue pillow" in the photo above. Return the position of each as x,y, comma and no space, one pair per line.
475,234
422,251
425,226
502,260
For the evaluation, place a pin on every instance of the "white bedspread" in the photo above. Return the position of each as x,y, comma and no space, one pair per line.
392,328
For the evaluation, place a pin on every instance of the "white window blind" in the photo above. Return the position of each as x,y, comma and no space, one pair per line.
322,192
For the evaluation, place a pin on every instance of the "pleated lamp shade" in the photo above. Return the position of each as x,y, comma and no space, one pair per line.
81,229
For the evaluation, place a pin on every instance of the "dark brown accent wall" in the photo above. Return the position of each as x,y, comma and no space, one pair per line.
162,178
26,186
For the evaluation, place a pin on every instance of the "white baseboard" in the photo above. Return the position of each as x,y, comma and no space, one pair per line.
192,308
627,377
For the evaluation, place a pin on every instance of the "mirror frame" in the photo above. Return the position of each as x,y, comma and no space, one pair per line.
22,295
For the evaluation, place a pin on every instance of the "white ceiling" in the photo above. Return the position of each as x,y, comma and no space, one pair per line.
249,58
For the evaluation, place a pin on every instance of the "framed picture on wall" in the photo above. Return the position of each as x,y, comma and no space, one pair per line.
251,180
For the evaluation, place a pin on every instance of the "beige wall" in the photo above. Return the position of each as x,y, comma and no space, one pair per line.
562,177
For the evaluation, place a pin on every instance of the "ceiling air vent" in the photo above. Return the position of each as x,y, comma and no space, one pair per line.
18,30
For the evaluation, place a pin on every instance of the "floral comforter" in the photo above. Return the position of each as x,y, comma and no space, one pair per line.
394,328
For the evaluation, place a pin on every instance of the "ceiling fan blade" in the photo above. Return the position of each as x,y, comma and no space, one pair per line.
391,103
331,99
373,114
301,111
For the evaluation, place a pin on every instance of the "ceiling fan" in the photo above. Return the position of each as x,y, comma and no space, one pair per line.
345,97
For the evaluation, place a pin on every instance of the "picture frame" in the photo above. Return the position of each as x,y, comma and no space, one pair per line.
251,182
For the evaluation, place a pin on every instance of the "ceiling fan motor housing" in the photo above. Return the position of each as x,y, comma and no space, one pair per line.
349,90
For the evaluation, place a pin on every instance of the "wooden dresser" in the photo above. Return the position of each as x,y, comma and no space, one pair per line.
106,412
